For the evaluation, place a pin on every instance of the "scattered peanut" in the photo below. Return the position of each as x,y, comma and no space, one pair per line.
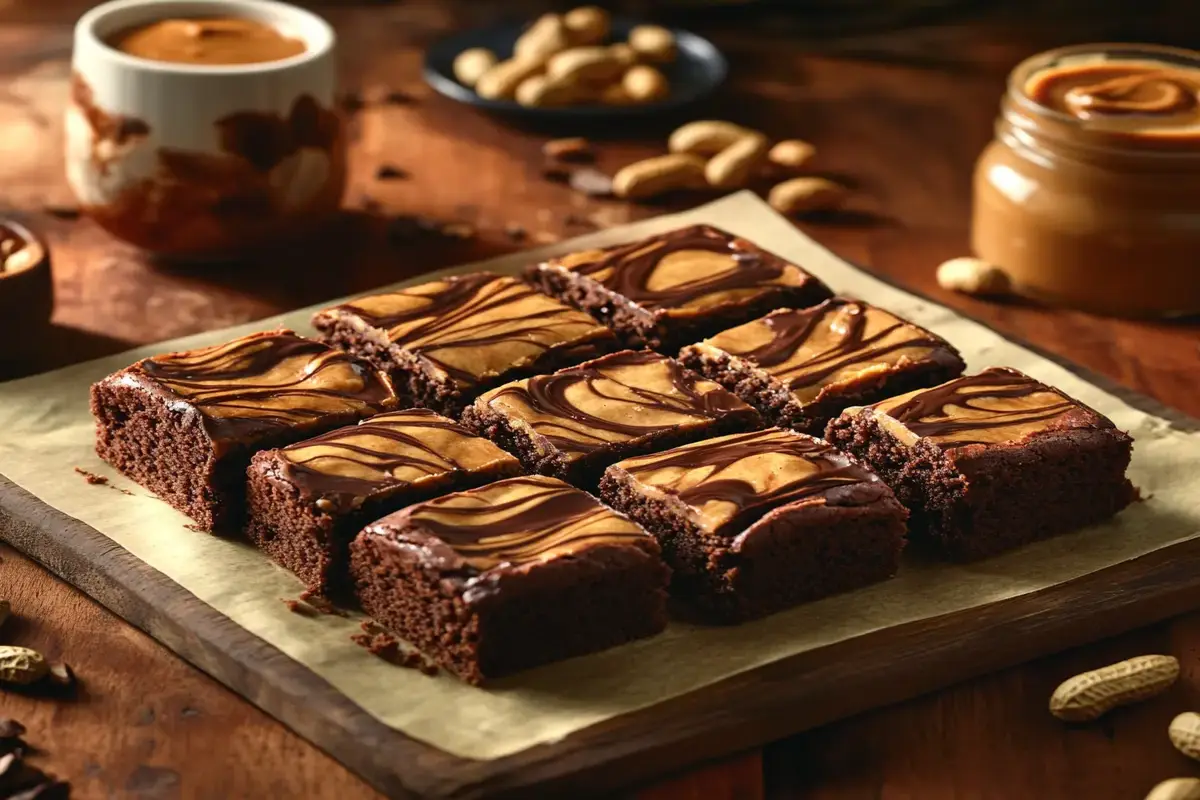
623,53
584,65
653,43
615,95
655,176
501,81
1176,789
574,148
544,91
545,37
21,665
470,65
1185,733
792,153
706,137
803,195
645,84
972,276
732,167
1092,694
586,24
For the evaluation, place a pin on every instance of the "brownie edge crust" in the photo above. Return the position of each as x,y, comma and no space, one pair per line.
519,573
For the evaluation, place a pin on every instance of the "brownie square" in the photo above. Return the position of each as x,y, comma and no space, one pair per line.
509,576
676,288
306,501
801,368
576,422
753,523
185,425
991,461
446,341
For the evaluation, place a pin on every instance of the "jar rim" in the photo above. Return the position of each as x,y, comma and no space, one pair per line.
1021,75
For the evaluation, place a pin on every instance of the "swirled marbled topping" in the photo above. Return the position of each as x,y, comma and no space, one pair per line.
264,382
1153,95
471,327
386,451
509,523
620,397
685,272
729,482
997,405
829,346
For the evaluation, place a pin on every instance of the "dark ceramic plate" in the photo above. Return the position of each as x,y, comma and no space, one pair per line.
698,70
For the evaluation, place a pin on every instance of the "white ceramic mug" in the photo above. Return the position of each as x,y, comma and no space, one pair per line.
204,161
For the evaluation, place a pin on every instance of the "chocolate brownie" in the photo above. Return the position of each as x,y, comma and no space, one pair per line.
518,573
576,422
446,341
801,368
753,523
679,287
185,425
306,501
991,461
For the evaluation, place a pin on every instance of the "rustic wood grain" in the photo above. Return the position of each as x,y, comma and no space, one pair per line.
900,117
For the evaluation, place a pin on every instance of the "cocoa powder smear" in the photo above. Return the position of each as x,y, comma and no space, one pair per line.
211,41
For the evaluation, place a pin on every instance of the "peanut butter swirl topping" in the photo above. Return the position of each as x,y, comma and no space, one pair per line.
472,327
208,40
685,271
265,381
509,523
617,398
830,345
730,482
389,450
997,405
1161,94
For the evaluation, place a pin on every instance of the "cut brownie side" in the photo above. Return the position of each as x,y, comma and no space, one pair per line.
753,523
675,288
185,425
576,422
991,461
446,341
305,502
801,368
518,573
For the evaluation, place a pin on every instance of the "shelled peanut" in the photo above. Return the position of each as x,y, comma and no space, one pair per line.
567,59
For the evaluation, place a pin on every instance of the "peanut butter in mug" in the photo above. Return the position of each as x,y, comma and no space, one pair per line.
1089,196
212,41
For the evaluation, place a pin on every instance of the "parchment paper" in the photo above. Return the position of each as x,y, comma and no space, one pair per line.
45,431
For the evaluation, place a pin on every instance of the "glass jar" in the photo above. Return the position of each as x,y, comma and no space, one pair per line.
1089,195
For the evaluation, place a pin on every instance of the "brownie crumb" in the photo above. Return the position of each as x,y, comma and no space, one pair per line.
92,478
591,182
574,148
390,172
63,212
296,607
372,627
322,605
516,232
428,668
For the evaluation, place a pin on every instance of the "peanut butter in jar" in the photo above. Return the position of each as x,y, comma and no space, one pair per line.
1089,195
208,41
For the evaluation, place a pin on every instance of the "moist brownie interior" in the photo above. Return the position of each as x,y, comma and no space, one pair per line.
306,501
185,425
672,289
990,461
801,368
445,341
576,422
518,573
752,523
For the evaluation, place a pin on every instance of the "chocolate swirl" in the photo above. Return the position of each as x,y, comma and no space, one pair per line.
473,326
732,481
997,405
1152,90
836,341
386,452
696,267
512,522
266,381
617,398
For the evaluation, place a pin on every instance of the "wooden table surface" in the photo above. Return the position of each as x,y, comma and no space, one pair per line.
898,116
